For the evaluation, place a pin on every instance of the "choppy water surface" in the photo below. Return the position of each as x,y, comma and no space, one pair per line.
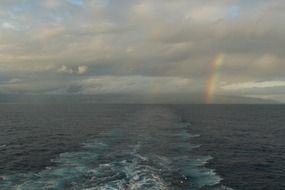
104,147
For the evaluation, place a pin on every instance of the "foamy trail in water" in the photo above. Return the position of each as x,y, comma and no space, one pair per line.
152,151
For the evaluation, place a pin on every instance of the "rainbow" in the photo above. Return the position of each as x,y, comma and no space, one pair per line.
212,81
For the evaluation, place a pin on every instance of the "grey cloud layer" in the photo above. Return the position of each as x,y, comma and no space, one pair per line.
63,44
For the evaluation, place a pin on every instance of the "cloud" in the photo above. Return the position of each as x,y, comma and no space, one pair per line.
14,80
252,85
75,2
11,81
82,69
51,3
64,69
8,25
162,39
133,84
11,68
48,32
100,85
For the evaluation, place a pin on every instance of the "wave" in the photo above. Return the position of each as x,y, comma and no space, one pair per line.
117,160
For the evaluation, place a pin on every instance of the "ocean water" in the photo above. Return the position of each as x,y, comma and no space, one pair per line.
171,147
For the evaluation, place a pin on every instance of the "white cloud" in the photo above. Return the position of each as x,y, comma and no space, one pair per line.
68,70
65,69
82,69
8,25
254,84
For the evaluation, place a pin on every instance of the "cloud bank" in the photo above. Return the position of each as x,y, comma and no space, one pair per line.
142,46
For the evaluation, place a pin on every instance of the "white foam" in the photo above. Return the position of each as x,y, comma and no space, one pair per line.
100,166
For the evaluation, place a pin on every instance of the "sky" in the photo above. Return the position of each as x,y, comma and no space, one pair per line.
207,47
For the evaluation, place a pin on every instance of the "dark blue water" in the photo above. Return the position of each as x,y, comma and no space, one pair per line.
141,147
247,143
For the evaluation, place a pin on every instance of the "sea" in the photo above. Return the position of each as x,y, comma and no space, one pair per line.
142,147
